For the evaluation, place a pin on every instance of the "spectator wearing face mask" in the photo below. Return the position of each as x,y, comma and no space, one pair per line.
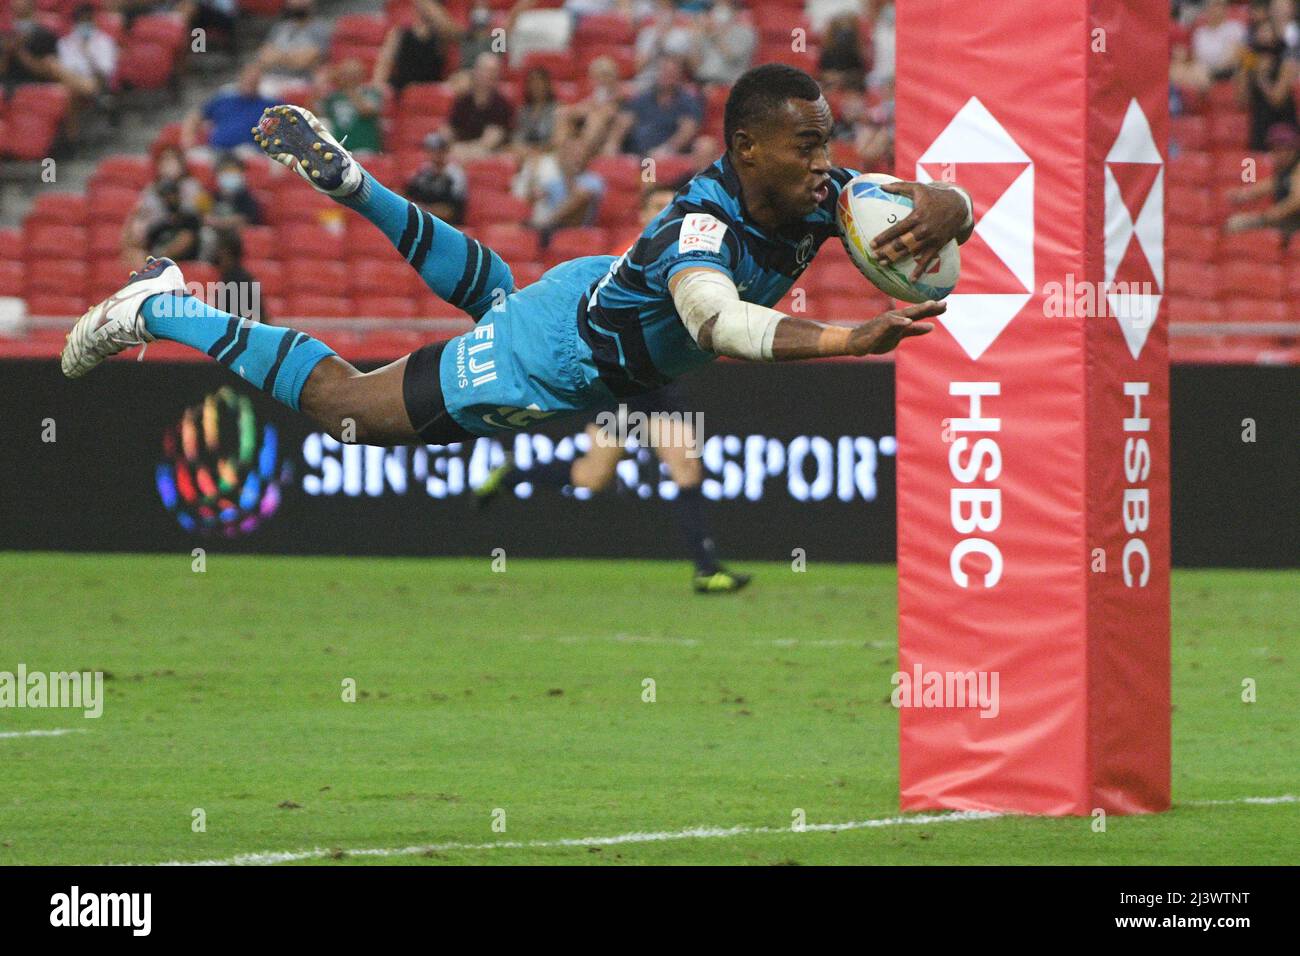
28,51
233,205
88,54
177,234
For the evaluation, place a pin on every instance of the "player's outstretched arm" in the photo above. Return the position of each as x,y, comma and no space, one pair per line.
712,311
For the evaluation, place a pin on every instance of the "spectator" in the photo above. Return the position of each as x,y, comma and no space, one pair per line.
882,45
214,17
239,293
724,45
666,117
1283,14
233,205
1282,187
440,185
229,117
353,109
294,48
536,122
150,208
842,64
176,234
28,51
1218,42
417,53
478,39
1269,78
481,118
596,119
1185,72
87,54
562,191
668,33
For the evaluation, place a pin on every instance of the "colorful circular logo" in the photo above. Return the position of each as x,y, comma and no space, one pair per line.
220,474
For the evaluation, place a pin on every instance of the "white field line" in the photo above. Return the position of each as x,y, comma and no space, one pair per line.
694,833
37,733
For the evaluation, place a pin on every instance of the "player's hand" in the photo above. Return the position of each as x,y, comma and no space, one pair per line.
884,332
938,216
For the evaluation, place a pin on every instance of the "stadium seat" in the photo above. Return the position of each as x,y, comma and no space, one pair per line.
365,241
49,100
603,28
105,242
316,277
145,64
1229,130
110,204
63,306
1191,168
11,277
1256,310
485,208
1191,242
526,273
269,274
1192,206
68,209
1257,245
382,277
492,172
426,99
1192,280
319,306
617,171
568,244
365,29
385,306
53,241
11,244
1193,310
129,172
107,275
1223,97
29,138
311,242
1191,132
261,8
259,242
512,242
1252,280
617,208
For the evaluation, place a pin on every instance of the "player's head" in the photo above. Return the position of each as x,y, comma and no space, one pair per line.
777,125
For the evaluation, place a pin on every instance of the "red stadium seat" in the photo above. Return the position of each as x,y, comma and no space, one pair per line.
166,29
619,171
1259,245
364,241
105,243
110,204
11,277
1256,310
1191,132
1192,280
145,65
54,241
364,29
426,99
68,209
512,242
618,208
59,277
1252,280
269,275
485,208
1191,243
385,306
130,172
1229,130
383,277
526,273
11,244
1195,207
1193,310
29,138
316,277
306,241
107,275
319,306
568,244
1191,168
259,242
49,100
491,172
1223,97
63,306
261,8
604,28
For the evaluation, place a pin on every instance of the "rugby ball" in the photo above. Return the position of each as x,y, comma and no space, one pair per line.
863,211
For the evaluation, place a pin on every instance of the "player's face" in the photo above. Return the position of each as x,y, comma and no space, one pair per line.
792,157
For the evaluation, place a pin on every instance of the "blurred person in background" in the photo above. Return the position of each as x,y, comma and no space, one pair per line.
562,191
439,186
28,50
1282,188
417,52
294,48
666,117
481,117
725,41
842,63
595,120
1218,42
478,39
225,122
233,205
1284,16
88,59
1269,79
176,235
353,108
668,32
239,291
880,16
150,208
704,153
536,122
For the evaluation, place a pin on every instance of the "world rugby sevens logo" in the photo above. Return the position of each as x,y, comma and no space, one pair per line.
221,474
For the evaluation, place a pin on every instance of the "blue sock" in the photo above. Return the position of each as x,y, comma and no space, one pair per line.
275,359
460,270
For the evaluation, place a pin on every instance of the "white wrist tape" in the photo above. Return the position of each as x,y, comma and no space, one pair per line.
742,330
970,206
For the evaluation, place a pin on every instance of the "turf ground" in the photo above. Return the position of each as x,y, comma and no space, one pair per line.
522,692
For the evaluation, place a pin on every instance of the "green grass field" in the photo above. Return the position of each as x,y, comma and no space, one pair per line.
522,691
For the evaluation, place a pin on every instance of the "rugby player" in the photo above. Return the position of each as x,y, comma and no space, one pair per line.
589,333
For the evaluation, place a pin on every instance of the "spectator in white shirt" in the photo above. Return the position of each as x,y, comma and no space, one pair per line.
725,44
87,54
1218,42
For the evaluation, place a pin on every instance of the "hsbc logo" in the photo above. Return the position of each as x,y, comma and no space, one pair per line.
1135,228
998,260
